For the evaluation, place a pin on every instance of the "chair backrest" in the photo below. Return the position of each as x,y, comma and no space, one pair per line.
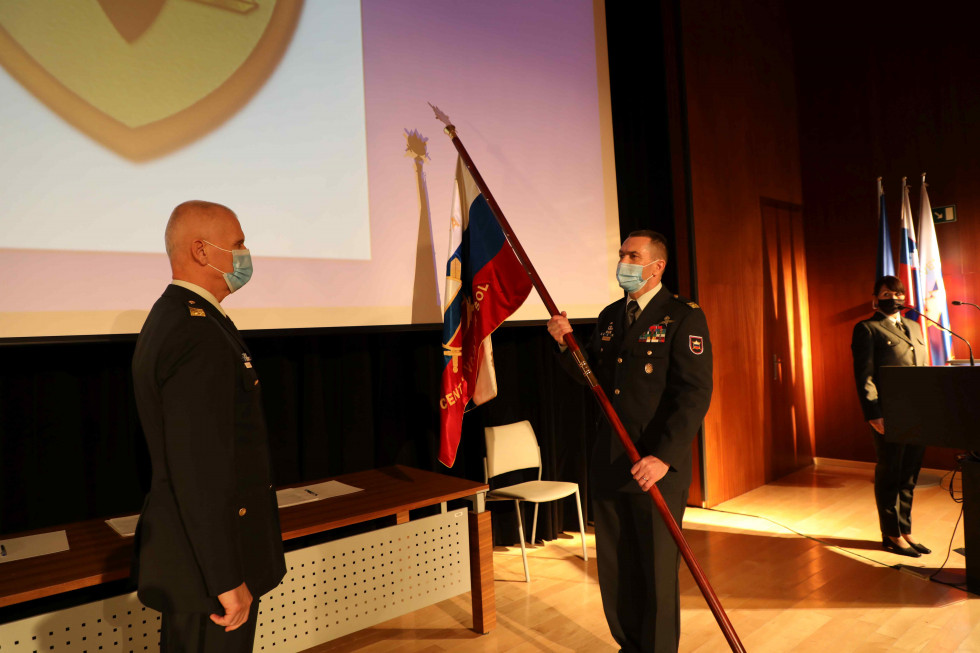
510,447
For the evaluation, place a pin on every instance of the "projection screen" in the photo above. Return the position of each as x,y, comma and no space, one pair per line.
311,121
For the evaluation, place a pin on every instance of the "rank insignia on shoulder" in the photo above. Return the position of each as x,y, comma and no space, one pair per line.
656,333
196,312
696,344
608,333
693,305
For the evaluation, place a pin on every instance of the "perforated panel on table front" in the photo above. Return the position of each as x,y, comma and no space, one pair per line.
330,590
337,588
116,624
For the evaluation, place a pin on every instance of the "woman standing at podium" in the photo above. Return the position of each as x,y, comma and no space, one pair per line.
888,338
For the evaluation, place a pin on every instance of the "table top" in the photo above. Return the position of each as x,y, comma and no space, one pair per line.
97,554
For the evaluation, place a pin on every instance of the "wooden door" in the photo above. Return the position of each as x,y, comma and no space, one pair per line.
787,438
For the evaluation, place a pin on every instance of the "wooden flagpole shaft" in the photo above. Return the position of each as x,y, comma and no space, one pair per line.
709,594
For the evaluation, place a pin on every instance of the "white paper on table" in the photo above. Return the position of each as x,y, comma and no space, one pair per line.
125,526
326,490
30,546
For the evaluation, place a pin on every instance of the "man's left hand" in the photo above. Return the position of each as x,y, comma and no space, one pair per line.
648,471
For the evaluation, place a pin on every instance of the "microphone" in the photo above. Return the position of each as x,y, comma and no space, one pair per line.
957,302
947,330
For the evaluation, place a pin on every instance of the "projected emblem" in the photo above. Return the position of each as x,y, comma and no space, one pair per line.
145,78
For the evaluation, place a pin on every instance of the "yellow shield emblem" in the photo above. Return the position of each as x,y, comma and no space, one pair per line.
145,78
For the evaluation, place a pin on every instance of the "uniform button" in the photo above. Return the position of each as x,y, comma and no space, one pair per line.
616,391
619,360
649,352
256,381
241,512
271,486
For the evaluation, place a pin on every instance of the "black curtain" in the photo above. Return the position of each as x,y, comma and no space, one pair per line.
71,447
638,92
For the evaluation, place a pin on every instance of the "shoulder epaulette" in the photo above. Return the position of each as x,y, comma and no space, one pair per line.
684,300
194,310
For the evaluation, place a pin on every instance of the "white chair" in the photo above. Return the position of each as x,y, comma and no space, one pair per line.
512,447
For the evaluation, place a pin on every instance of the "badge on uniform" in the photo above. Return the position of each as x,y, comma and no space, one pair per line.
608,333
656,333
247,360
197,312
696,343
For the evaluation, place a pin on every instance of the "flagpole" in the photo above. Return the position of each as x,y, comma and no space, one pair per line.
709,594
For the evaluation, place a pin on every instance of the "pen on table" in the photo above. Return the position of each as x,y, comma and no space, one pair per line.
311,492
3,550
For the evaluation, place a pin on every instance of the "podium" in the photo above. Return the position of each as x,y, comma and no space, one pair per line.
940,407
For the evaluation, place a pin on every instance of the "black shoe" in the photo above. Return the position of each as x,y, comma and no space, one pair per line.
888,545
921,548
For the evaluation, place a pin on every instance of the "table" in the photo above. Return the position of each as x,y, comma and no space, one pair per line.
98,555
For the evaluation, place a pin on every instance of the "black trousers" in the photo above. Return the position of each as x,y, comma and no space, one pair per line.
194,632
896,473
638,563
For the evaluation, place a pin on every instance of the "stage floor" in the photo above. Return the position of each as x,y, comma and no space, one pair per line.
805,572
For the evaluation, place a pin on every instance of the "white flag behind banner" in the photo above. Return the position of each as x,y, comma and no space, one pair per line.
931,281
908,268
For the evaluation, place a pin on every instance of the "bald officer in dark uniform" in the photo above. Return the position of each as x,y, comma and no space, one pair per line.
652,356
208,543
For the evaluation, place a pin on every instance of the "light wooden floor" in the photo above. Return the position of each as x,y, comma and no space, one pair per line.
783,591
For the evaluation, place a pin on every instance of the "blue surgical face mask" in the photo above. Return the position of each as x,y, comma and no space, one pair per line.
241,267
630,275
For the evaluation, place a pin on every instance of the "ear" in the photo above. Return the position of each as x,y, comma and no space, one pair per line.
198,252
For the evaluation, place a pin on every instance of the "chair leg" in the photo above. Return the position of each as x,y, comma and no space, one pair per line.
534,526
520,532
581,524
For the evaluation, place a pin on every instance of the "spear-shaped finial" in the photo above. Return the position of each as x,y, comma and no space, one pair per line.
442,117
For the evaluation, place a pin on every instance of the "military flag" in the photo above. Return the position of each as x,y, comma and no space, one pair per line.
485,284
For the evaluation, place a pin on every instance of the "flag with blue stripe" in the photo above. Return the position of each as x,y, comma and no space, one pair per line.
485,284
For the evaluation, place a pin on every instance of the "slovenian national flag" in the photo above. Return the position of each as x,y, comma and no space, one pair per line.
934,305
908,265
885,265
485,284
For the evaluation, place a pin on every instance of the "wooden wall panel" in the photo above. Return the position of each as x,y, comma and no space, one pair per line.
875,104
742,128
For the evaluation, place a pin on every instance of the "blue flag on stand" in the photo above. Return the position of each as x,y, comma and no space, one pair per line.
886,264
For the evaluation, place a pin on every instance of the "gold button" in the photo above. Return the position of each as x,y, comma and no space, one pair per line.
616,391
256,381
649,352
241,512
619,360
